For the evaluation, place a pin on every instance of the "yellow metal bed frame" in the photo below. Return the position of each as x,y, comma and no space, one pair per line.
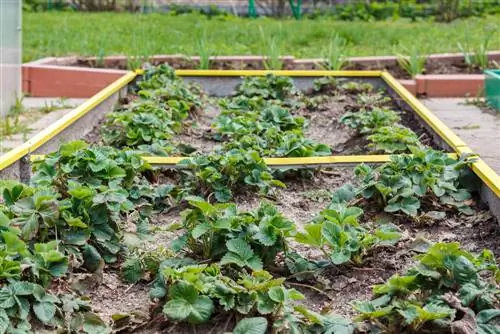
482,170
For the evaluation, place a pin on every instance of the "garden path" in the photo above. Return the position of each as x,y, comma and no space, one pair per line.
479,129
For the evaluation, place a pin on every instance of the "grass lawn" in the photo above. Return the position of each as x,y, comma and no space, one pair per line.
103,34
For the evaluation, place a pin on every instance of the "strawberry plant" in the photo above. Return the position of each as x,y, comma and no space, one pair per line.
25,273
161,84
219,173
366,122
193,293
353,87
337,233
447,283
144,122
271,131
269,87
325,85
163,108
155,77
215,231
372,101
90,198
407,180
393,139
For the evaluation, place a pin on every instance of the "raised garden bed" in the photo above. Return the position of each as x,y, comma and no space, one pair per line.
322,242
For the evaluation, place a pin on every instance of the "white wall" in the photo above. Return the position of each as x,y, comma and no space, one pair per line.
10,53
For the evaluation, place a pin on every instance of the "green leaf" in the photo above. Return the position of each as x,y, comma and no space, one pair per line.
344,194
23,288
67,149
486,316
132,270
44,311
257,325
177,309
278,294
312,236
183,290
92,258
202,310
92,324
335,324
4,321
200,230
157,292
186,304
241,254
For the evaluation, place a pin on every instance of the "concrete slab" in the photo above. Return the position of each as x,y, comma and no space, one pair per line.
479,129
39,114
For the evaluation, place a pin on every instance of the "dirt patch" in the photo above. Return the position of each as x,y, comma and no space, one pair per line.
113,296
197,133
431,66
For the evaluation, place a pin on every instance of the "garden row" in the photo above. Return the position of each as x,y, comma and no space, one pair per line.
224,242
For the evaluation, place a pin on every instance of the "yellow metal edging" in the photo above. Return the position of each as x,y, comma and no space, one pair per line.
439,127
294,73
272,162
340,159
487,175
255,73
482,170
45,135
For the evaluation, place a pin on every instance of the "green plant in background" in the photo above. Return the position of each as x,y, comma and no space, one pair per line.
269,129
353,87
272,50
11,123
444,290
204,51
393,139
367,122
148,124
372,101
477,56
335,53
413,62
269,87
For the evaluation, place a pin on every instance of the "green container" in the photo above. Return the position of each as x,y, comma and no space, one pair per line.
492,88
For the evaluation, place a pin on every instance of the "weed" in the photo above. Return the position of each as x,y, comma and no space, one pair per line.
413,62
335,53
272,51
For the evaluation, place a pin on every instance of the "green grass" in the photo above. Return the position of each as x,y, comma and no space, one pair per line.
137,35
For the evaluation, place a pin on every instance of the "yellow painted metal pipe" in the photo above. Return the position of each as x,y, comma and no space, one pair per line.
255,73
329,160
435,123
294,73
